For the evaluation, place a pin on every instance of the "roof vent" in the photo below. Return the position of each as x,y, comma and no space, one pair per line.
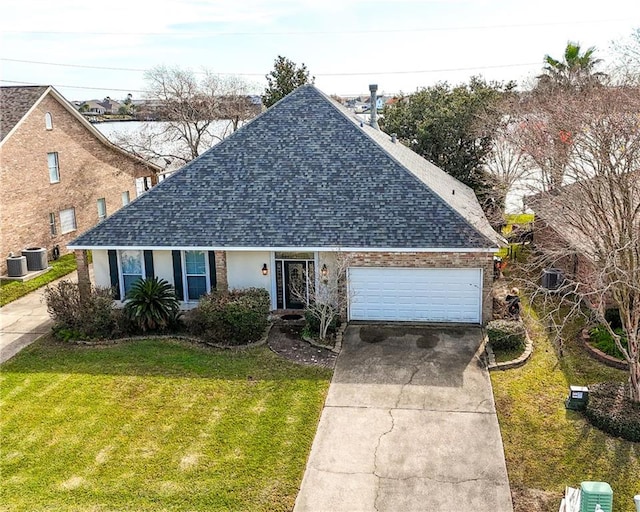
453,192
373,119
394,138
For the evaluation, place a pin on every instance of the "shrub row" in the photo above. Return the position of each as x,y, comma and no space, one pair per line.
610,409
227,318
230,318
601,339
506,334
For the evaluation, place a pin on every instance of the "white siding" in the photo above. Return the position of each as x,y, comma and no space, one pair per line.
163,266
101,269
244,270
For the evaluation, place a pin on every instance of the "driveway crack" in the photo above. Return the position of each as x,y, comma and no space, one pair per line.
375,459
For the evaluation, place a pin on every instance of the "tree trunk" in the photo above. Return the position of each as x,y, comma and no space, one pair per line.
634,381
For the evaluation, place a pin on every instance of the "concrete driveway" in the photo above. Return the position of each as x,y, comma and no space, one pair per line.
409,425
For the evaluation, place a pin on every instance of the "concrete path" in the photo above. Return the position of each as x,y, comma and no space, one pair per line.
409,425
26,319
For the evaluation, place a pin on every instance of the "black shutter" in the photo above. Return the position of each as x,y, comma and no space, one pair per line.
148,264
177,274
212,270
113,273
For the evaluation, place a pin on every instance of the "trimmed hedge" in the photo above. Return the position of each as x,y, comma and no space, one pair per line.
234,317
610,410
602,340
506,334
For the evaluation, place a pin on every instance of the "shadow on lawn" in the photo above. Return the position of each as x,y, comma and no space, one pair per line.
162,357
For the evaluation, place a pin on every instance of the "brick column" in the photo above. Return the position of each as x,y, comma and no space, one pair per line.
84,280
221,270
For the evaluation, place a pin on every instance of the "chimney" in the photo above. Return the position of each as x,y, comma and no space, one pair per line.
373,120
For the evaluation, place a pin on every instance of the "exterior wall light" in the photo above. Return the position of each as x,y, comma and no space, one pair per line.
324,271
265,270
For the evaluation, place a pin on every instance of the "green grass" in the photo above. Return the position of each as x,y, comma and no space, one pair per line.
12,290
154,425
548,447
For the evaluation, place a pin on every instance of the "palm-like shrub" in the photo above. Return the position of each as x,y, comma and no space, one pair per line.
152,304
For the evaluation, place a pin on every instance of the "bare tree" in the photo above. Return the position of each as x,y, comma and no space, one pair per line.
197,112
590,227
627,50
325,292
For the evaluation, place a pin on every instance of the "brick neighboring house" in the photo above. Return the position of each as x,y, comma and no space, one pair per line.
59,175
284,196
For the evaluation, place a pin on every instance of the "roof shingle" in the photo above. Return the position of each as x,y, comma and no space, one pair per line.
302,174
15,102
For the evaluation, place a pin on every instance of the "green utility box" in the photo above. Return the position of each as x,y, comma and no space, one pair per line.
578,398
595,493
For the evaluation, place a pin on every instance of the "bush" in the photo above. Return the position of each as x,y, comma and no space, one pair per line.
312,326
610,409
506,334
231,318
601,339
152,305
76,319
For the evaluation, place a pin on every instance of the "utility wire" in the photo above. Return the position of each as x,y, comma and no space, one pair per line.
355,73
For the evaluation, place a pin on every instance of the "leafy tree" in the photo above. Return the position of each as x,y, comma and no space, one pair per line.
454,128
577,69
152,304
285,77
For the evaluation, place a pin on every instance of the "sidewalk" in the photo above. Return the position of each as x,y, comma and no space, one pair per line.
26,319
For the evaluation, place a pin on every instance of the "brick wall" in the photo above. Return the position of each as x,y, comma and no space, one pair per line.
89,170
435,260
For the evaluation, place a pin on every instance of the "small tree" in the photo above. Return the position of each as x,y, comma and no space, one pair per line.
285,77
325,293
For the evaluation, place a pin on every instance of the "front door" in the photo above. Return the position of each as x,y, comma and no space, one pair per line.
293,278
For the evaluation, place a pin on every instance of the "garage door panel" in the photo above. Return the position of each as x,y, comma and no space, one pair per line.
410,294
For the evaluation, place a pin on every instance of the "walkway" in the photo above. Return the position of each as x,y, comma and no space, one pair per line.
26,319
409,424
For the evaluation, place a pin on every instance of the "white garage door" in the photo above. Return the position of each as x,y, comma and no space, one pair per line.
415,294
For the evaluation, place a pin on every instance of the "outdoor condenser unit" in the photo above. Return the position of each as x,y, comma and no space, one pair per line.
552,278
595,493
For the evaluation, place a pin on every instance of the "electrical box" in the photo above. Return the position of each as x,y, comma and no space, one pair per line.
578,398
596,493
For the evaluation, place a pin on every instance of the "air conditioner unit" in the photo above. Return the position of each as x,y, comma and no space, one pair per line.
552,278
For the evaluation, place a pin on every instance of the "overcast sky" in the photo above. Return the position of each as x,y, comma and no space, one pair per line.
347,44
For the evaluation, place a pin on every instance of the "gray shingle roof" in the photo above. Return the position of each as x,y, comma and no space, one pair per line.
302,174
15,102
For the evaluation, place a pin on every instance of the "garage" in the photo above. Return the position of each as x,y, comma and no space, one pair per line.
415,294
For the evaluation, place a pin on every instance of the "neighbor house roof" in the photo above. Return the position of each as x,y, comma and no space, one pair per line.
15,102
303,174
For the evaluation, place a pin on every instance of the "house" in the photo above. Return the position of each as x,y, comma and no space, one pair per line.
290,192
59,175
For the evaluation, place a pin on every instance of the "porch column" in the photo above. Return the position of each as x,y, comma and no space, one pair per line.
84,280
222,282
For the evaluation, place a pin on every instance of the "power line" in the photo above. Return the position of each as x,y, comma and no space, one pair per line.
355,73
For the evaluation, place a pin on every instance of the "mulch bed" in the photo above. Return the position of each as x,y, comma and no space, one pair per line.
286,341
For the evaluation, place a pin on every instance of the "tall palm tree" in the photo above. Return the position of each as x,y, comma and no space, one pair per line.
576,70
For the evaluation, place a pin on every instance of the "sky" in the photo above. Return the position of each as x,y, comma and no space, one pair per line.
94,49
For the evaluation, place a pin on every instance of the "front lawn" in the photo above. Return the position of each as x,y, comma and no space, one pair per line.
548,447
154,425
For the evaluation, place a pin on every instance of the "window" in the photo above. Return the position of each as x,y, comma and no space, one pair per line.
48,121
102,208
68,220
125,198
52,224
54,170
132,268
196,274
